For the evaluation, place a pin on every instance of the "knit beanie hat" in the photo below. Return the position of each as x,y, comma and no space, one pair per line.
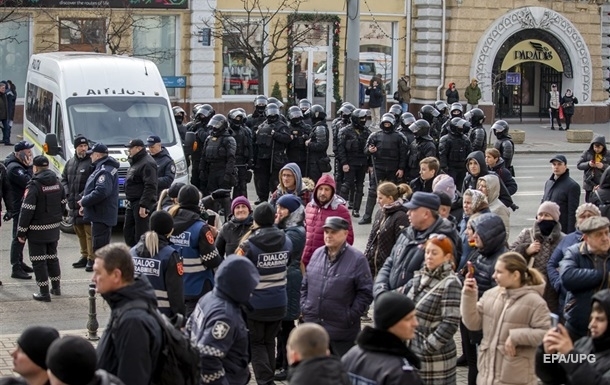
264,215
289,201
174,189
72,360
550,208
161,222
80,140
587,207
241,200
390,307
444,183
35,342
189,197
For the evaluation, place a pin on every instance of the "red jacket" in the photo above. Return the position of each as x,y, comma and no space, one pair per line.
316,214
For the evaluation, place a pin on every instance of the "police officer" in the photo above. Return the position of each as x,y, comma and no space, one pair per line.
218,160
422,147
443,118
73,179
388,153
304,106
200,128
256,118
270,142
5,192
477,133
406,120
140,191
455,111
352,159
453,150
504,144
296,150
343,119
19,172
317,144
180,117
100,202
41,214
279,105
244,151
430,115
396,110
166,168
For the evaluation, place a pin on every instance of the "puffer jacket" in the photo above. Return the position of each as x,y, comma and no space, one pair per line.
520,314
470,181
231,233
541,259
389,222
73,179
582,274
552,267
495,206
407,255
601,196
293,226
490,229
316,214
592,175
566,193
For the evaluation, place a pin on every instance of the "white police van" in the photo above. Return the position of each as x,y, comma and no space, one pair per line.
108,99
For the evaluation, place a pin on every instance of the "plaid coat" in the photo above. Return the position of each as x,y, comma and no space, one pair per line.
438,315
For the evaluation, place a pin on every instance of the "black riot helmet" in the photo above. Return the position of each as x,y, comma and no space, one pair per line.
272,112
236,117
317,113
396,110
387,122
204,113
476,117
242,110
441,106
500,128
179,114
421,128
428,113
346,112
456,110
304,105
195,108
295,115
260,103
458,125
293,108
360,118
218,124
275,101
406,120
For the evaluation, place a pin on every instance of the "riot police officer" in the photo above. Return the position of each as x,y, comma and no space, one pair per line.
244,151
200,127
317,144
258,116
504,144
179,117
477,134
453,150
455,111
351,157
442,108
218,160
396,110
304,106
422,147
270,142
406,120
296,150
388,152
430,115
279,105
343,119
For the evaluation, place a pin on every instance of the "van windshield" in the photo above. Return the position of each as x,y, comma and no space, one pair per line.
114,121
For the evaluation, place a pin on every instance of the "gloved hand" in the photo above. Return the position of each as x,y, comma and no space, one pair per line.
221,193
7,216
514,207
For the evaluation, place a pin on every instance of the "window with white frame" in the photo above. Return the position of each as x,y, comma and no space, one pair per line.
15,51
376,52
239,77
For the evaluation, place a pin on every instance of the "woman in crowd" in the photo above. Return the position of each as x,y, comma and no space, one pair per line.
428,169
473,201
167,282
567,103
290,217
536,245
169,197
495,163
453,95
436,292
490,186
513,317
445,184
593,161
388,223
234,229
193,238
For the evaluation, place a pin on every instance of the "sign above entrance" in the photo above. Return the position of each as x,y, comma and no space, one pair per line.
532,50
513,79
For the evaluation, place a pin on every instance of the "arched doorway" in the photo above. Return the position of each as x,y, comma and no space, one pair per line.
525,67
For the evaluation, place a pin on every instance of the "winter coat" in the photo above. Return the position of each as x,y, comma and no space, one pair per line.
505,175
567,103
407,255
552,267
131,344
166,169
470,181
453,96
478,138
375,96
582,274
294,228
592,175
73,179
101,195
472,94
438,316
4,107
380,357
566,193
230,235
5,190
141,180
404,91
325,370
316,214
492,233
495,206
18,176
601,196
392,151
336,294
102,377
520,314
418,184
547,245
505,145
389,222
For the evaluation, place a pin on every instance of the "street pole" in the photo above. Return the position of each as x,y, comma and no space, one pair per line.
352,55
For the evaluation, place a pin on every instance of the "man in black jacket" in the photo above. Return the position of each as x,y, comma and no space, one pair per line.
132,341
140,191
41,214
166,168
73,179
317,143
564,191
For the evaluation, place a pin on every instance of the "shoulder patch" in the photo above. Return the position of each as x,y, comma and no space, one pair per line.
180,268
209,237
173,168
220,330
101,179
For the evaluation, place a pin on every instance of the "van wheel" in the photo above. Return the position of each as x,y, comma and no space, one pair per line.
66,225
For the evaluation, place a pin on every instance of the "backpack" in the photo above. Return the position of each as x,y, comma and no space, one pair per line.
179,361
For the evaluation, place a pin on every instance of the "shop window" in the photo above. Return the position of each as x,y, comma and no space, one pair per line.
239,77
14,52
87,35
376,53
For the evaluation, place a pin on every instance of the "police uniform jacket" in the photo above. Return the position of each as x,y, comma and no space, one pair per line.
166,169
5,189
42,208
73,179
18,176
243,142
350,149
270,142
101,196
392,150
218,153
141,181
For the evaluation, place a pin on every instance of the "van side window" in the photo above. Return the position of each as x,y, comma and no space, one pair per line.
39,102
59,130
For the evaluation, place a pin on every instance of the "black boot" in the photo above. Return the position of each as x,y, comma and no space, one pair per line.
18,272
82,262
26,268
43,297
56,291
89,267
368,212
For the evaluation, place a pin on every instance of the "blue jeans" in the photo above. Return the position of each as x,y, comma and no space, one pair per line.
405,107
6,131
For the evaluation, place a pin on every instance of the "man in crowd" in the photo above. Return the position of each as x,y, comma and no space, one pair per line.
166,168
564,191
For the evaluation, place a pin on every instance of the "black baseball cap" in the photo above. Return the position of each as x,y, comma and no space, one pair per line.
152,140
135,143
559,158
98,147
23,145
41,161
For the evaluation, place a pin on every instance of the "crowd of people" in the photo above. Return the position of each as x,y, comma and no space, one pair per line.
280,285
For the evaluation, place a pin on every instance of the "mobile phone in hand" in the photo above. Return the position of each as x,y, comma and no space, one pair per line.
470,267
554,322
